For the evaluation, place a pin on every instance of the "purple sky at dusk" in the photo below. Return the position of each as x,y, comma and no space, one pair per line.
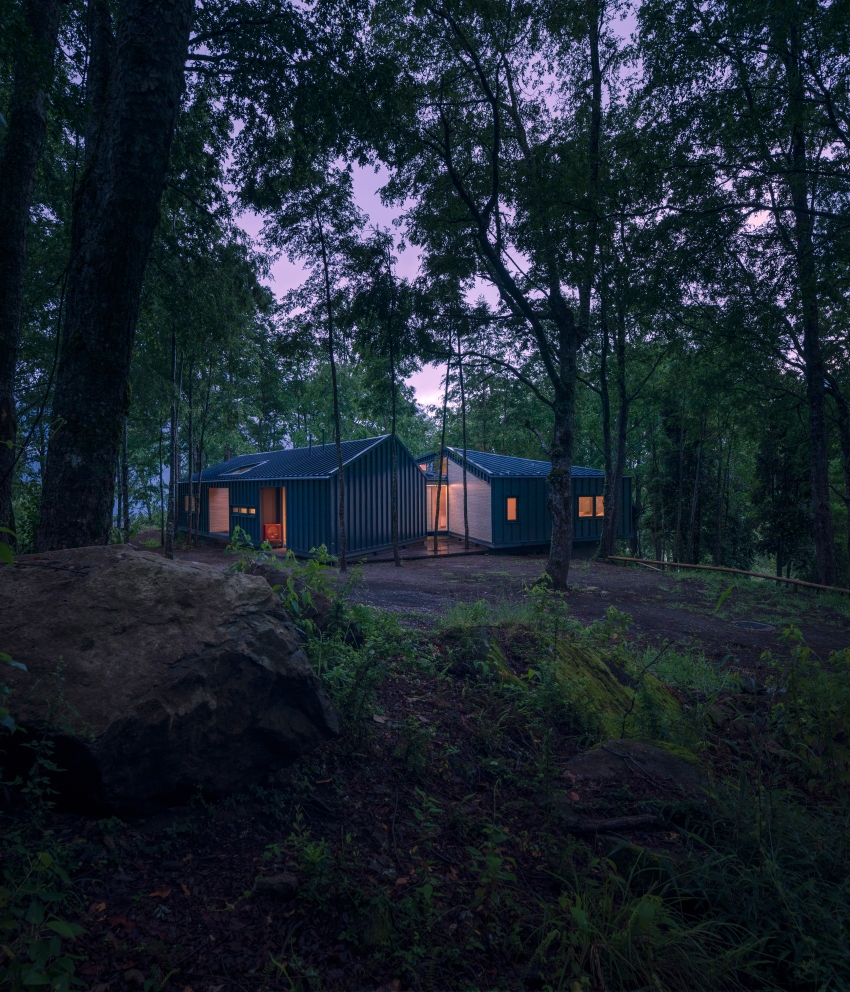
286,275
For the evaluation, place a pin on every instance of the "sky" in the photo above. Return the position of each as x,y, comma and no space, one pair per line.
285,275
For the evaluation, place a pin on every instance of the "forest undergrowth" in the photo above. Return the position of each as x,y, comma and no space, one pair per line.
438,844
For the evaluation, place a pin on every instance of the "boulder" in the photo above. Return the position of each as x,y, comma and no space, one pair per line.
156,678
654,764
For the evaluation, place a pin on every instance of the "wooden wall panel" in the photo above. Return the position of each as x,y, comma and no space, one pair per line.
478,504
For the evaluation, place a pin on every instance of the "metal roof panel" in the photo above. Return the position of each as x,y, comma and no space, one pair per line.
316,462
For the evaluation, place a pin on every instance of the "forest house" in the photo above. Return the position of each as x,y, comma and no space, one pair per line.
506,500
291,498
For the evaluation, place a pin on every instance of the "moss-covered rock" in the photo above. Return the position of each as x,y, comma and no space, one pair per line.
609,700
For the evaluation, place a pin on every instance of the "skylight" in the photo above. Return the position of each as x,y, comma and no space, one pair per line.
244,468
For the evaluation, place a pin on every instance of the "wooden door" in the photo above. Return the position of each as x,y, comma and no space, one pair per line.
271,526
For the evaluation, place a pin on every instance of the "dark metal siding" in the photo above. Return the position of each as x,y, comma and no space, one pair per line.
312,517
309,509
534,525
368,501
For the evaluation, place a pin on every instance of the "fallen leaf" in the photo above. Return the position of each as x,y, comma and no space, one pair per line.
127,965
323,781
161,892
188,989
123,922
379,719
97,907
186,890
573,796
401,881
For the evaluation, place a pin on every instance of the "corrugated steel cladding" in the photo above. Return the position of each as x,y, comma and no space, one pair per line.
525,478
312,501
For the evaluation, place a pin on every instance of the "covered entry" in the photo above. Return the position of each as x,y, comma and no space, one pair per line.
220,512
273,515
432,508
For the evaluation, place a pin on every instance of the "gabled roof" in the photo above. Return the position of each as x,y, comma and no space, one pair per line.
507,467
318,462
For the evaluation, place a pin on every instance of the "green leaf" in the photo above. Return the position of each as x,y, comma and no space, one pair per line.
724,596
16,664
6,555
68,930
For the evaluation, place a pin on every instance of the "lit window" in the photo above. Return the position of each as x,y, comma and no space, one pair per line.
252,509
423,466
511,509
600,506
585,506
445,467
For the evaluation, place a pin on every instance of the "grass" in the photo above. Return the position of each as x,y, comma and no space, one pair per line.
447,858
754,599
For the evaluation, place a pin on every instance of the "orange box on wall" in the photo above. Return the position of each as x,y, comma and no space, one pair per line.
273,533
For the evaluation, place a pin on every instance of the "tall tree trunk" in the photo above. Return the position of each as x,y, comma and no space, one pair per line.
19,155
614,474
343,565
657,523
605,399
161,490
807,284
693,539
560,499
718,512
844,441
190,513
677,538
463,428
394,453
115,213
440,458
119,509
171,523
205,409
125,482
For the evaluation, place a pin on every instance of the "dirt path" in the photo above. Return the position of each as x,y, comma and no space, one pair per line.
662,606
679,607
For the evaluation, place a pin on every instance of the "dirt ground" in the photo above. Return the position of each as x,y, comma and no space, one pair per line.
679,607
174,902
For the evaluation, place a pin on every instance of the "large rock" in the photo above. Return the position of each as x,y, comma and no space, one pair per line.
175,676
655,765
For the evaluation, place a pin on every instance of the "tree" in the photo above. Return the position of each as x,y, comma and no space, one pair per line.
19,155
383,314
134,88
754,107
315,220
504,164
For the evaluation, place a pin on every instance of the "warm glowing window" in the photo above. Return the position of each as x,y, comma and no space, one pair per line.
511,508
423,466
243,509
585,506
600,506
445,466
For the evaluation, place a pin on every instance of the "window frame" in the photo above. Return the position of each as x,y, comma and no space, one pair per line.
586,516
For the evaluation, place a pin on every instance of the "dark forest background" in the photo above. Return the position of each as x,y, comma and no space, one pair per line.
681,193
